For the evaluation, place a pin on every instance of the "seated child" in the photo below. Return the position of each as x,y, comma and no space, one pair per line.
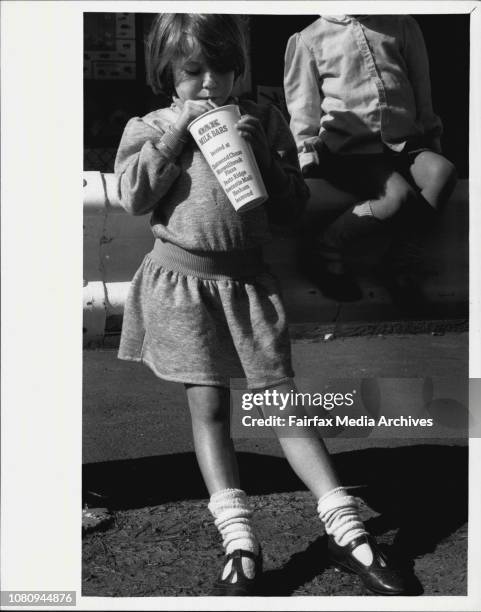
358,91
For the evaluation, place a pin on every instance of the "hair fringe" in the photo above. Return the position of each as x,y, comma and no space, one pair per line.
220,37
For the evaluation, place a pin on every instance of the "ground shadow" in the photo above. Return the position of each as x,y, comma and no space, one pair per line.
420,491
301,568
310,563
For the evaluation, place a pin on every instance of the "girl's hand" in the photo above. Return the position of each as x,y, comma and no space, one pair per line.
190,110
251,129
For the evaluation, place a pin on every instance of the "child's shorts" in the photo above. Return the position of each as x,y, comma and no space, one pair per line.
205,331
366,174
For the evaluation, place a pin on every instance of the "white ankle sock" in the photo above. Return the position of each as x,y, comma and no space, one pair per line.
232,515
340,514
363,210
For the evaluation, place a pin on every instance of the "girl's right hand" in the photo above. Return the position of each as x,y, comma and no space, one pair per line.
190,110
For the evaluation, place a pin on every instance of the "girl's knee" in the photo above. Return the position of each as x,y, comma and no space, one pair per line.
208,404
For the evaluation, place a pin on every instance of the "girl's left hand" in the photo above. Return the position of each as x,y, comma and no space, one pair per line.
251,129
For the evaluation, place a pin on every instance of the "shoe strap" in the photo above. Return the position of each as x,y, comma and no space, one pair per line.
239,553
366,539
236,557
362,539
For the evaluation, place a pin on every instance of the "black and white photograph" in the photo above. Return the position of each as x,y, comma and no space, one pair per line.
266,383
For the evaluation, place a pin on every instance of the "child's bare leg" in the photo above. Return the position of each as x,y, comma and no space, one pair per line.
435,176
371,217
394,203
407,216
306,452
395,193
309,458
210,414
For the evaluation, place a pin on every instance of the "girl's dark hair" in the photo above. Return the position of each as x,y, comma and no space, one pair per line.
220,39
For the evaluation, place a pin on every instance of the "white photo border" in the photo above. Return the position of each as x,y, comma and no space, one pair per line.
41,190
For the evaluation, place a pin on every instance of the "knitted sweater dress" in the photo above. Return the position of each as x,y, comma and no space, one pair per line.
203,308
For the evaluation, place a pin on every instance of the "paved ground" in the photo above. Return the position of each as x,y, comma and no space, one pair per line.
129,413
138,462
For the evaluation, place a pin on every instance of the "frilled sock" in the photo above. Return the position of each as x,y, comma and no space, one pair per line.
340,514
232,515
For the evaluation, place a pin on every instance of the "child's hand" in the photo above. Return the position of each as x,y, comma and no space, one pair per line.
190,110
251,129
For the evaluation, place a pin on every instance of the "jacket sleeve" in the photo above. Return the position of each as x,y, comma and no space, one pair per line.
417,63
145,165
288,193
303,98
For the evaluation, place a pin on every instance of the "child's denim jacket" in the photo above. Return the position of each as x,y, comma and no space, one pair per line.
356,84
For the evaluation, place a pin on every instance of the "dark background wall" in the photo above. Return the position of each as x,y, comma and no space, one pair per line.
109,103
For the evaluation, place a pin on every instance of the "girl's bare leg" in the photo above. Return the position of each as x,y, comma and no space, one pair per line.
210,414
306,452
310,460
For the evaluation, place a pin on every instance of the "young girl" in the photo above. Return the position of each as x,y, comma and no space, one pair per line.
203,308
358,91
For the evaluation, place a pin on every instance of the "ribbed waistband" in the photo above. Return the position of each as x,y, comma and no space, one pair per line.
215,265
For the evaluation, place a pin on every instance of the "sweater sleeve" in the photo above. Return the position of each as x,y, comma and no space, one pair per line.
285,185
145,165
417,63
303,98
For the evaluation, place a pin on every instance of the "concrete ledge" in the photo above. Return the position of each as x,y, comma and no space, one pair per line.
115,244
100,194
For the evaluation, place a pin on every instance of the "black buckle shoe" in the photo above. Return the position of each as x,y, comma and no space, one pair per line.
243,586
381,577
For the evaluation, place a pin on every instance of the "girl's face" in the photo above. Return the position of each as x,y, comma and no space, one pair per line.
194,80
